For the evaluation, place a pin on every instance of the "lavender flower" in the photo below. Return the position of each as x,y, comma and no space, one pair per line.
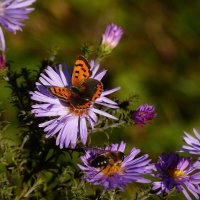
179,173
193,144
69,123
12,13
115,174
111,37
143,114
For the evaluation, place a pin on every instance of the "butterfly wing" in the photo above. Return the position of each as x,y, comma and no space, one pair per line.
91,89
60,92
81,71
86,94
80,103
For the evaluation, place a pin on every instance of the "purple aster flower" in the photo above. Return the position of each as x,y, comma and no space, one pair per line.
143,114
179,173
12,13
109,168
193,144
111,37
68,122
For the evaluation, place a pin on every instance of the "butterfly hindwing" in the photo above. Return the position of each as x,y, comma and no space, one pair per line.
98,91
60,92
80,103
86,94
81,71
91,89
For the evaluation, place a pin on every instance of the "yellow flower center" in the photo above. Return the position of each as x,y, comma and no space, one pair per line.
111,169
176,174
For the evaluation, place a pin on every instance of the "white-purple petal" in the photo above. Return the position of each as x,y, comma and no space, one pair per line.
101,112
83,130
100,75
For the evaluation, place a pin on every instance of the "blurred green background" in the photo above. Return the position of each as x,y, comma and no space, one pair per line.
158,58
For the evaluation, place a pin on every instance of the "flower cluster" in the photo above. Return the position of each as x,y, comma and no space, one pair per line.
69,100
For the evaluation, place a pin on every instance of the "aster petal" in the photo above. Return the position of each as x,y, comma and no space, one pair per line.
91,123
192,190
66,134
107,92
189,139
106,100
122,146
107,105
131,155
83,130
37,96
51,132
46,123
22,4
94,70
92,116
193,144
62,76
101,112
186,194
196,133
100,75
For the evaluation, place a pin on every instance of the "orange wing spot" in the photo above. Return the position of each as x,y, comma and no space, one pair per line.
85,106
81,71
98,92
60,92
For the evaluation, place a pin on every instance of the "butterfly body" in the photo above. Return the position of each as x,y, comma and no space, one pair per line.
83,91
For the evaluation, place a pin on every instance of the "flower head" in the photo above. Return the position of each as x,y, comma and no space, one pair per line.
12,13
143,114
107,167
111,37
69,122
179,173
193,144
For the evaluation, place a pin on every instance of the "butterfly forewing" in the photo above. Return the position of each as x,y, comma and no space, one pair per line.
60,92
81,71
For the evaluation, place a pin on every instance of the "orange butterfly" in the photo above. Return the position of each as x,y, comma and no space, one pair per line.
84,90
